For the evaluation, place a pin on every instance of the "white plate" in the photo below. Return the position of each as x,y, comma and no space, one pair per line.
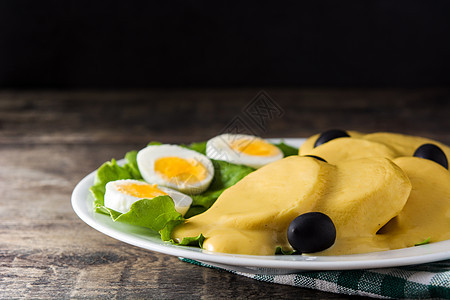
275,264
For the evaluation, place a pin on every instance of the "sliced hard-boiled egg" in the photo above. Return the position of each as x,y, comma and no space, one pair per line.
121,194
176,167
242,149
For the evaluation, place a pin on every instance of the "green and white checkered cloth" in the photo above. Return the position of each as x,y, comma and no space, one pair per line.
424,281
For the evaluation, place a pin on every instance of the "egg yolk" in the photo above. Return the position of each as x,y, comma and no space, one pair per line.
178,169
140,190
254,147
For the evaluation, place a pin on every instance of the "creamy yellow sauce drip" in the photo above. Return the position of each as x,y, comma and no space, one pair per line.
385,144
379,198
251,216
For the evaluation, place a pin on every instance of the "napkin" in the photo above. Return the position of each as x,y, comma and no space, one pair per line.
427,281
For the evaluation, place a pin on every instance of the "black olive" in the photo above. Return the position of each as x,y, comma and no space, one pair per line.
330,135
432,152
316,157
311,232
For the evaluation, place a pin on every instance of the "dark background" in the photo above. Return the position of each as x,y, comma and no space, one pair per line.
145,44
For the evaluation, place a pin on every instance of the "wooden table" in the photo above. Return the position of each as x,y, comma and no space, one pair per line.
49,140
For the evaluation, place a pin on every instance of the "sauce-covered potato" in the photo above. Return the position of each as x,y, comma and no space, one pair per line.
378,195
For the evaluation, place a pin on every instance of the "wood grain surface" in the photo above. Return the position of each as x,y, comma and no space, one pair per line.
49,140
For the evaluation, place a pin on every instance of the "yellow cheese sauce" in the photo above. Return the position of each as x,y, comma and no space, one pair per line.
385,144
377,195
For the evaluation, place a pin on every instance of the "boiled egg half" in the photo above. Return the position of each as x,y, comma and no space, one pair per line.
176,167
242,149
121,194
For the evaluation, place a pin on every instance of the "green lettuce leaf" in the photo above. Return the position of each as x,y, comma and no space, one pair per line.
286,149
195,210
132,165
225,175
279,251
199,147
166,232
157,214
111,171
424,242
153,213
154,143
193,241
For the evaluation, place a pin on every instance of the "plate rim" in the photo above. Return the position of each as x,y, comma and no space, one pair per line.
427,253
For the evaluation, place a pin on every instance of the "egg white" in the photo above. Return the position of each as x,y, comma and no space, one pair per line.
122,202
147,157
219,148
